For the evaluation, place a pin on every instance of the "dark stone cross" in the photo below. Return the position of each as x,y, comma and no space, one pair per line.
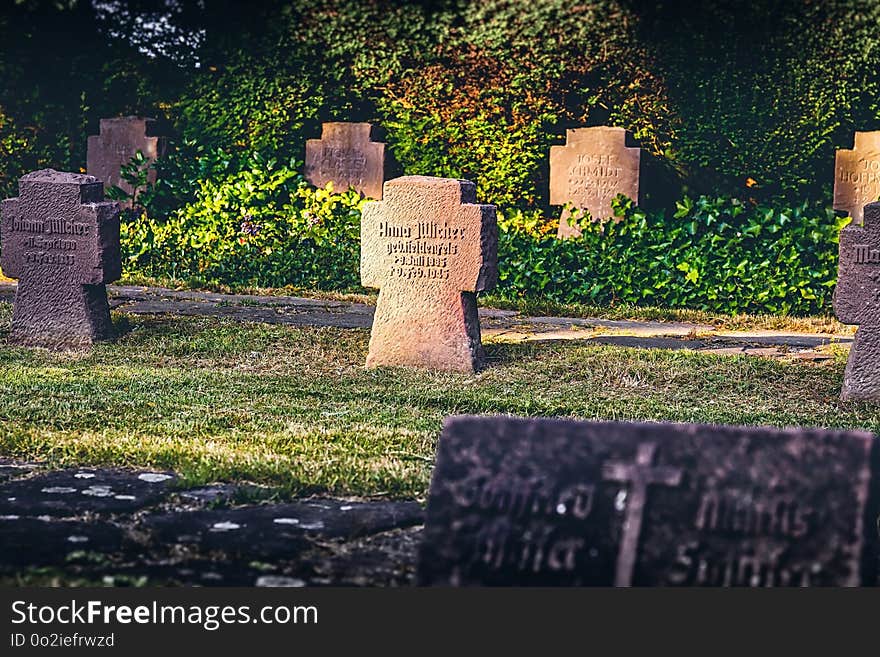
857,301
347,156
429,247
639,475
61,240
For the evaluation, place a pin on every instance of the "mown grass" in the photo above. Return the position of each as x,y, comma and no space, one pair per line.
294,407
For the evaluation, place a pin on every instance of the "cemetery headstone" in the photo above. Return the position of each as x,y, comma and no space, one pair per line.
61,240
347,156
428,247
119,139
561,502
857,175
595,165
857,301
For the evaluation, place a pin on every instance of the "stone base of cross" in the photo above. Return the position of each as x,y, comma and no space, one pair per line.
429,247
857,301
61,240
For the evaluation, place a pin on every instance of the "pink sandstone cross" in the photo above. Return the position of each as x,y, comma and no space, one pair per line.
857,175
639,475
429,247
61,240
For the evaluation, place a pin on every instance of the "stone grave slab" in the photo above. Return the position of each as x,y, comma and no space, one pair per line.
46,541
561,502
857,175
281,530
61,240
119,139
429,247
591,169
73,492
347,156
857,301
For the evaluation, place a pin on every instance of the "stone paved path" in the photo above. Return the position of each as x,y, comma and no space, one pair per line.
497,325
108,525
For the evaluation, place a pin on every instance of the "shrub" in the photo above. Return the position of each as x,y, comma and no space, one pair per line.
712,254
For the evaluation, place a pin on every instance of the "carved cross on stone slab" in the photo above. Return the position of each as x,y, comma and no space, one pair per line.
119,139
639,475
595,165
428,247
347,156
546,502
857,301
61,240
857,175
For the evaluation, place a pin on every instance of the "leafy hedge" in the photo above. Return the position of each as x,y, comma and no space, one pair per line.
256,222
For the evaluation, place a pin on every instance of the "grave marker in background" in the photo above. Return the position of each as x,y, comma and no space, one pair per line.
595,165
428,247
61,240
857,175
857,301
562,502
119,139
346,156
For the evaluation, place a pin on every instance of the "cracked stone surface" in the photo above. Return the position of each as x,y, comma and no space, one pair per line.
115,526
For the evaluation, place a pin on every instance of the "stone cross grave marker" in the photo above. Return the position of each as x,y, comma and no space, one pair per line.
857,175
61,240
595,165
347,156
119,139
549,502
428,247
857,301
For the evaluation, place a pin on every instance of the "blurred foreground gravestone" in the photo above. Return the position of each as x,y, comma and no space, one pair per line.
61,240
429,247
560,502
347,156
119,139
857,175
857,301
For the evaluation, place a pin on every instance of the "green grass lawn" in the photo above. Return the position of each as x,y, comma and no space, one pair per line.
294,408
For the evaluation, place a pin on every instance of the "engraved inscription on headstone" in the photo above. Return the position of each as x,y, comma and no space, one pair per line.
595,165
429,247
119,139
857,175
61,240
569,503
857,301
347,156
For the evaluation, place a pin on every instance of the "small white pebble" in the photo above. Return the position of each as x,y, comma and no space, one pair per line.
8,517
153,477
124,497
278,581
346,508
98,491
58,490
224,526
78,539
312,525
84,475
286,521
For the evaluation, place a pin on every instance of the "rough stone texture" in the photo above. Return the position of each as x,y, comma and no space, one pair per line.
429,248
119,139
560,502
595,165
857,301
857,175
61,240
68,493
277,530
346,156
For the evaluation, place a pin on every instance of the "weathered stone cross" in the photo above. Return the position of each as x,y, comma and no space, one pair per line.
857,301
61,240
857,175
429,247
347,156
639,475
